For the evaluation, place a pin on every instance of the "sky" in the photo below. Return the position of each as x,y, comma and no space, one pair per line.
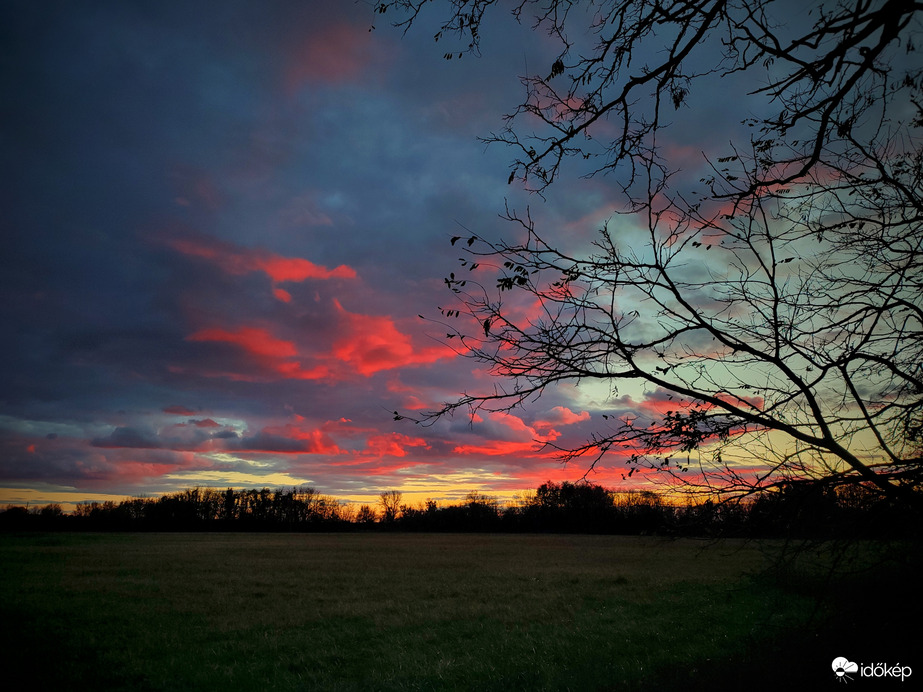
221,223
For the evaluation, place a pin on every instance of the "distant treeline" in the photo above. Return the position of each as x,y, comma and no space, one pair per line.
802,510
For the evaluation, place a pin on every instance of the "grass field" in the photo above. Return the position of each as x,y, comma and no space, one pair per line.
404,611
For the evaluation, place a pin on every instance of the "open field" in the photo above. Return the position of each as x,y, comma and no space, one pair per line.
407,611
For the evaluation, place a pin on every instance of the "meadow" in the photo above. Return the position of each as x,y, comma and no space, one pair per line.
393,611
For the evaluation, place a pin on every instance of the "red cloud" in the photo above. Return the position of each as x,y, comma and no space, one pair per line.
291,439
363,344
564,416
269,354
237,260
297,269
177,410
366,345
392,444
654,404
661,401
373,343
607,476
299,438
206,423
257,341
755,402
508,435
501,448
411,397
294,371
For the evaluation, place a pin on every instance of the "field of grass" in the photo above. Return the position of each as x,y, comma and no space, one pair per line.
401,611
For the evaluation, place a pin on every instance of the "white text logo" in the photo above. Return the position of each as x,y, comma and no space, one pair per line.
846,670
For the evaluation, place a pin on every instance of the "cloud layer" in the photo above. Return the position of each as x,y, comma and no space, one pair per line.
221,230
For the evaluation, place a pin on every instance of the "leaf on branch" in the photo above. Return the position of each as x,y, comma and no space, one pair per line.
556,69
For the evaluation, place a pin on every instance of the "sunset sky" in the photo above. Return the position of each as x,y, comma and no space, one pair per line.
221,222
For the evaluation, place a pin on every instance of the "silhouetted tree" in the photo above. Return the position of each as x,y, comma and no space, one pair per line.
776,295
481,512
366,515
390,501
642,511
229,506
570,507
14,517
807,510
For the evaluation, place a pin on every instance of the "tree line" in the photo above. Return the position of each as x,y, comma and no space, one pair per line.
799,510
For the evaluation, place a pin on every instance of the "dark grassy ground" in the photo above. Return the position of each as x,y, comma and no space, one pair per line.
407,611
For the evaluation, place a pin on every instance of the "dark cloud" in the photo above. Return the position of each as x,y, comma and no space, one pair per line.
127,437
220,228
178,410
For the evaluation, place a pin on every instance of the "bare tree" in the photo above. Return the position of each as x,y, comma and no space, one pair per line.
777,297
366,515
390,501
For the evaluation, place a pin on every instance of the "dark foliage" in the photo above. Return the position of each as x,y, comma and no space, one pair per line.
794,511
